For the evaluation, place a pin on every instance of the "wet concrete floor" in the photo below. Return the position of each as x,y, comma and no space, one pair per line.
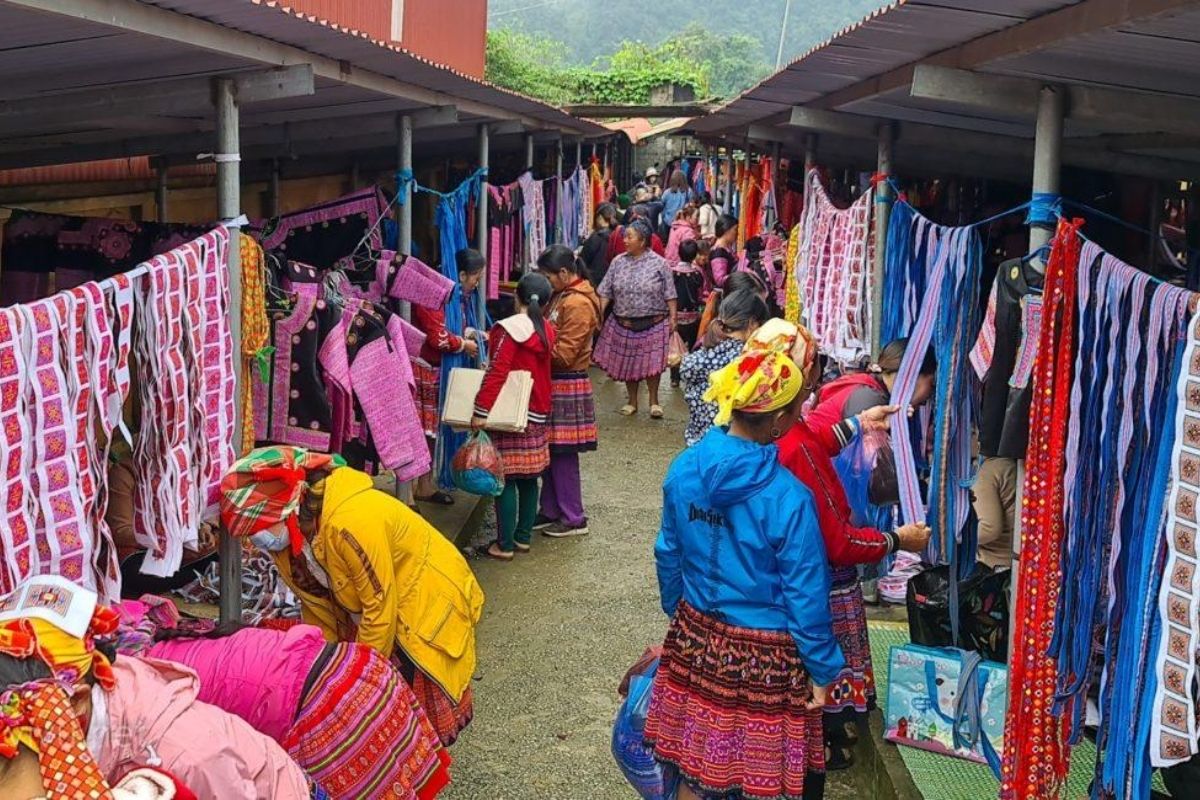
564,623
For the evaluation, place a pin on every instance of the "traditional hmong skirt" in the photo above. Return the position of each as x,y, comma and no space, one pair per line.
729,709
361,732
855,686
429,381
449,718
632,356
526,455
572,414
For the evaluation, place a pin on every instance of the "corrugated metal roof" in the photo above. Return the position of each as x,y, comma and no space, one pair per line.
45,54
867,68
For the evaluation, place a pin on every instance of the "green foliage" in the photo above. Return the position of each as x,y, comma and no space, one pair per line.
735,40
532,64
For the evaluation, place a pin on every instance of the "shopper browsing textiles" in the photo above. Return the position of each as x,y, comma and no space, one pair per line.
852,394
683,229
428,369
523,341
808,454
707,333
72,724
742,573
366,568
341,710
741,313
574,311
724,251
633,343
595,249
691,290
707,218
677,196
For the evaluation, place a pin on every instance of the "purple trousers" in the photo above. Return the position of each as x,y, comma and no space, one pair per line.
562,491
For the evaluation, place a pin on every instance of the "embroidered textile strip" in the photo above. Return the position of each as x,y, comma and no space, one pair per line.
256,329
948,322
1036,755
1127,685
833,270
1173,719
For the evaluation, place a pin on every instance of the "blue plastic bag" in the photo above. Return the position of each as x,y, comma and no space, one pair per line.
651,780
478,467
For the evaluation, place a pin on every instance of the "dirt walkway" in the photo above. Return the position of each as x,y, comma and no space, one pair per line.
564,623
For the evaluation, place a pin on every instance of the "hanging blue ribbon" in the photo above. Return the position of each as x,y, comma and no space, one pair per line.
462,312
1044,209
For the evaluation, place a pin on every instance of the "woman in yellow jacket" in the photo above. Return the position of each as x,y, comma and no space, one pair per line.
366,568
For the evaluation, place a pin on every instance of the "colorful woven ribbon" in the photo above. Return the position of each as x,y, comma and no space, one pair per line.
1035,752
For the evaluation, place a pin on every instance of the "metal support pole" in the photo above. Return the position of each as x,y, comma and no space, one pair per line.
481,214
404,127
1047,177
160,190
810,152
273,195
229,206
883,212
529,152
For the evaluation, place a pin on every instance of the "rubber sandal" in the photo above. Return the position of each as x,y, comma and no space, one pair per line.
838,758
494,552
628,410
656,412
438,499
522,548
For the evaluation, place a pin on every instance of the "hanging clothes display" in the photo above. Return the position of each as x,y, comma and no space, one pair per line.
1035,750
833,273
534,218
948,323
45,252
65,365
328,235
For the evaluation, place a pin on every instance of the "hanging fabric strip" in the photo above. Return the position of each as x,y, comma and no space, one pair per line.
1173,731
832,273
1036,755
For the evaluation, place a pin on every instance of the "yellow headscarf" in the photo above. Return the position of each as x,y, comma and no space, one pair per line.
781,336
759,382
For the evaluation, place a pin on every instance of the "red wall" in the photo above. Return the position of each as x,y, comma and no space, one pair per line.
450,32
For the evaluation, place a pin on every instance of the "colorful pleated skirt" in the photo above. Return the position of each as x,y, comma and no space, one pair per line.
526,455
361,732
730,711
855,686
632,355
429,382
572,414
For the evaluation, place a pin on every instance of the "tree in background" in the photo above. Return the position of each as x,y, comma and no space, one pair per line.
710,64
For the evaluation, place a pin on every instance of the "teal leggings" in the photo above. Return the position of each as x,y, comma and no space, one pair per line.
516,510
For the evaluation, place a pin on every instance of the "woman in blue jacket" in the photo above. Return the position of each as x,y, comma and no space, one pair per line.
742,571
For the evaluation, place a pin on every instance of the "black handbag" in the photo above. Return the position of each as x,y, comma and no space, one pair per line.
983,610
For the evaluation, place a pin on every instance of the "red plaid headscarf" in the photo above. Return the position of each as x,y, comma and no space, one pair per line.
265,488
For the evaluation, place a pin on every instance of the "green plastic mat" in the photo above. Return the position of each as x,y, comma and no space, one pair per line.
943,778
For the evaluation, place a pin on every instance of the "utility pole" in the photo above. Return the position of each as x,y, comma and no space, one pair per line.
787,13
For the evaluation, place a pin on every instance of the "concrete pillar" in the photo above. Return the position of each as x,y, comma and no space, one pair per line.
1047,154
578,152
727,206
229,203
160,190
810,152
404,158
482,212
529,150
883,212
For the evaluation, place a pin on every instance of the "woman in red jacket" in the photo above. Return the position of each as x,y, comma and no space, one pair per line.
523,341
807,453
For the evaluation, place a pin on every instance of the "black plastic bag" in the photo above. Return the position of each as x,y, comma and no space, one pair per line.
983,611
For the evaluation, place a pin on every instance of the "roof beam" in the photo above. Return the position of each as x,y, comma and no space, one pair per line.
1080,19
1167,113
135,17
173,97
835,122
983,147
